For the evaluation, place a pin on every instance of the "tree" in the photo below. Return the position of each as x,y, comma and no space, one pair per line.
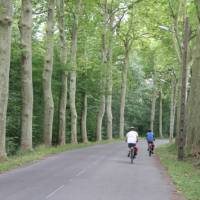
172,107
5,48
101,110
25,26
161,115
47,76
182,126
73,73
64,74
127,39
193,116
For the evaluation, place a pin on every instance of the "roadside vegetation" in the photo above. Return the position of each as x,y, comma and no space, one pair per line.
185,174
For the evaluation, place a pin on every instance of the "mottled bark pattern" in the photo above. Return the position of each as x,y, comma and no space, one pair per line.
25,26
47,76
193,118
123,91
62,109
73,74
102,103
63,59
84,120
5,48
100,117
172,110
182,125
153,109
109,79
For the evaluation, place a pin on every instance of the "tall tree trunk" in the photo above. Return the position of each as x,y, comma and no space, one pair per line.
63,59
123,91
5,48
172,110
153,109
182,126
73,75
193,116
47,76
109,80
100,117
102,103
160,115
25,26
84,120
62,109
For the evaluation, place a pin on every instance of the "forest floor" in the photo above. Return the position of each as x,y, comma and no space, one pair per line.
185,174
100,172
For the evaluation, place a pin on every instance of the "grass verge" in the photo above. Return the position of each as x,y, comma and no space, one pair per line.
183,173
40,152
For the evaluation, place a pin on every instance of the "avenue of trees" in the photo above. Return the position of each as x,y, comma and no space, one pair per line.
86,70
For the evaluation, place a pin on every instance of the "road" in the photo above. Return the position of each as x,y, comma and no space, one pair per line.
101,172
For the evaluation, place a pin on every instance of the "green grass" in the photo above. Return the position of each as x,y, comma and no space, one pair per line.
40,152
184,173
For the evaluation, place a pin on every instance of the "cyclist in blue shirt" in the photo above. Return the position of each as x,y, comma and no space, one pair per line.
150,138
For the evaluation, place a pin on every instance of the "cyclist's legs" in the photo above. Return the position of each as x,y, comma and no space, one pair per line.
134,146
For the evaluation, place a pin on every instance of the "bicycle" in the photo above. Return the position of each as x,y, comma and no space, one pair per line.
133,153
150,148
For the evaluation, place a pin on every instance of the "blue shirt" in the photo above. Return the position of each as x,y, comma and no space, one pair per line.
150,136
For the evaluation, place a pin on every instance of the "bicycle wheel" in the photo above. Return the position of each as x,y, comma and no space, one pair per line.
150,150
132,156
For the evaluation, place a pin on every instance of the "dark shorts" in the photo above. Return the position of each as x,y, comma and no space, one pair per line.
150,142
131,145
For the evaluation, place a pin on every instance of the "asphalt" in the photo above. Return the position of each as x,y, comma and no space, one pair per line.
101,172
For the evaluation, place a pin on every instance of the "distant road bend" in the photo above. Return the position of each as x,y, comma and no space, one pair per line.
101,172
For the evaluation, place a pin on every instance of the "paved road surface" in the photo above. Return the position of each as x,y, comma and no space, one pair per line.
100,172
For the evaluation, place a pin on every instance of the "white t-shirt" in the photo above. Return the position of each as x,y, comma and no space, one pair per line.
132,137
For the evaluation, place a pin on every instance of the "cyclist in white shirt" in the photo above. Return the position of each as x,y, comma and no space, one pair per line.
132,139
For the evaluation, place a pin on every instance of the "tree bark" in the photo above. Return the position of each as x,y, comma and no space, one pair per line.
62,109
73,75
25,26
47,77
153,109
63,59
172,110
109,80
102,104
100,117
84,120
182,126
160,115
5,49
193,115
123,91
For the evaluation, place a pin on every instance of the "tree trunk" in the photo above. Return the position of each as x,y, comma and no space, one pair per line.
5,49
153,109
160,115
123,92
102,104
63,59
100,117
73,75
193,117
62,109
84,120
182,126
109,80
172,110
47,76
25,26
